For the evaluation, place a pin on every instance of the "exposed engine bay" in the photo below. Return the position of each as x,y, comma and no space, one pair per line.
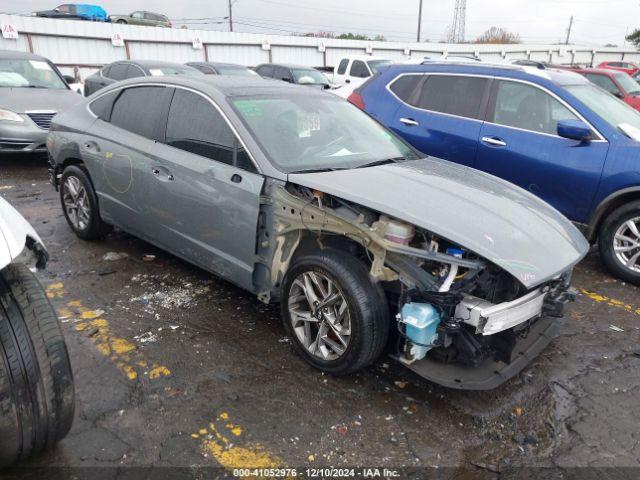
451,307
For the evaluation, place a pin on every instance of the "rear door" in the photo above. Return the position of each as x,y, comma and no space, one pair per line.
204,190
358,73
442,116
339,75
519,142
117,149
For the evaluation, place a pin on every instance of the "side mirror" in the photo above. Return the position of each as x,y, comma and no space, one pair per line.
617,94
574,130
69,78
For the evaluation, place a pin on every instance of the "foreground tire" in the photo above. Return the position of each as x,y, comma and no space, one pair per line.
36,383
80,204
619,242
337,317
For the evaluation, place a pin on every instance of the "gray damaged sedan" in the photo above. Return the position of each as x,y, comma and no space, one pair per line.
301,198
32,91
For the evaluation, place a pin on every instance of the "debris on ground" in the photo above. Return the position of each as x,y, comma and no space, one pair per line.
146,337
168,296
148,258
616,329
401,383
114,256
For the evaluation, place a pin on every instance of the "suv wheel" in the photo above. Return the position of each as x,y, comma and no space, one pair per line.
619,242
36,383
337,317
80,204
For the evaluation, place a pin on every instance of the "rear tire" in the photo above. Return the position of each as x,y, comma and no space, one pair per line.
81,208
367,310
37,399
618,223
121,21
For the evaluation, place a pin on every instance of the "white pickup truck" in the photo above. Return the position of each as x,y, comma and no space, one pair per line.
352,71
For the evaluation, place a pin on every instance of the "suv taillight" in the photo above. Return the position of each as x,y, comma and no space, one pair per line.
356,99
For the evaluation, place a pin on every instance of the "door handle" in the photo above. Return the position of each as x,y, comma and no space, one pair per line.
347,81
170,177
409,122
496,142
155,171
235,178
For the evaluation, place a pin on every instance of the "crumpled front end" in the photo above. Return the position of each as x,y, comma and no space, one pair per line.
461,320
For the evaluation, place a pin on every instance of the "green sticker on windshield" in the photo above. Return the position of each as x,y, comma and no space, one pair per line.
248,108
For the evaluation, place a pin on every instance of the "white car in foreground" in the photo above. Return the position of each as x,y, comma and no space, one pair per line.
36,382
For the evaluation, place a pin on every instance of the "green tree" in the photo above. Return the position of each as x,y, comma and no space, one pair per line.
634,37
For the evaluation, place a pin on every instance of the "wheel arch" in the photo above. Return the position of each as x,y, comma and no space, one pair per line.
607,206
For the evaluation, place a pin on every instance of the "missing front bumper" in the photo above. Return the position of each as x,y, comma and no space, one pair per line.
491,373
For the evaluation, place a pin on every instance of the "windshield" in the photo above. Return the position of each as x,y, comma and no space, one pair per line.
310,133
374,65
615,112
627,83
29,74
157,72
309,76
239,71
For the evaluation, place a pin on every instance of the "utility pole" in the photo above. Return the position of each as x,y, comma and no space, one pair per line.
419,19
231,16
569,30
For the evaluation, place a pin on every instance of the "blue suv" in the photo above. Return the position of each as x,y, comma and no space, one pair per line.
551,132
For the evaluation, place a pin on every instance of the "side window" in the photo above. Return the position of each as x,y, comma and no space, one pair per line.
137,15
265,71
65,8
526,107
359,69
405,85
603,82
194,125
105,71
101,107
140,110
455,95
134,71
342,68
283,74
118,71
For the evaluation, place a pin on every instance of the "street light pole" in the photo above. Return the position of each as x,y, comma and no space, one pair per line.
230,16
419,19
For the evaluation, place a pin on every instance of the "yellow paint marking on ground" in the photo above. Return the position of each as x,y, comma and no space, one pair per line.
121,351
223,441
612,302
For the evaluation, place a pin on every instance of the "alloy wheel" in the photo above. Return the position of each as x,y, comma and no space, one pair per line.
319,315
626,244
76,203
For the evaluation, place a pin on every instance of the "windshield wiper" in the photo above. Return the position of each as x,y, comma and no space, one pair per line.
319,170
385,161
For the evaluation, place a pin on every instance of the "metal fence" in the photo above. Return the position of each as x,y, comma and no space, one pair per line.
89,45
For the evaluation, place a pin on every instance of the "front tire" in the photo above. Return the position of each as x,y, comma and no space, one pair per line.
619,242
37,398
80,204
335,314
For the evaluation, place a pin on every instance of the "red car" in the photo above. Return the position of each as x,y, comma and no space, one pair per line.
617,83
626,67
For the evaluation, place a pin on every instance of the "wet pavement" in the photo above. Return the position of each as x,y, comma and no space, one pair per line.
176,368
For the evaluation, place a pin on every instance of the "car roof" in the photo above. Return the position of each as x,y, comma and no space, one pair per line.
229,86
601,71
217,64
557,76
288,65
14,54
153,63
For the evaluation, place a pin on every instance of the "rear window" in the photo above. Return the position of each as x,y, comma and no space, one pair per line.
101,107
453,95
118,71
265,70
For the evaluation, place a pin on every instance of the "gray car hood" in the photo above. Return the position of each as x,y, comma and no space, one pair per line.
20,100
489,216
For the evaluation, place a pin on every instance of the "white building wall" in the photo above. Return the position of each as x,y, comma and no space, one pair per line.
310,56
249,55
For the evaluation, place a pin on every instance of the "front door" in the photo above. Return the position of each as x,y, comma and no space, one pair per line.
205,190
442,117
519,142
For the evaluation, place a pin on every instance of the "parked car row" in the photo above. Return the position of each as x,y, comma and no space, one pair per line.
95,13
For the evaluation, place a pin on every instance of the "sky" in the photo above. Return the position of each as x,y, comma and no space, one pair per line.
596,22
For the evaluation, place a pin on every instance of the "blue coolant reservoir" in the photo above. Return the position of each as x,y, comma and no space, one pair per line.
421,321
